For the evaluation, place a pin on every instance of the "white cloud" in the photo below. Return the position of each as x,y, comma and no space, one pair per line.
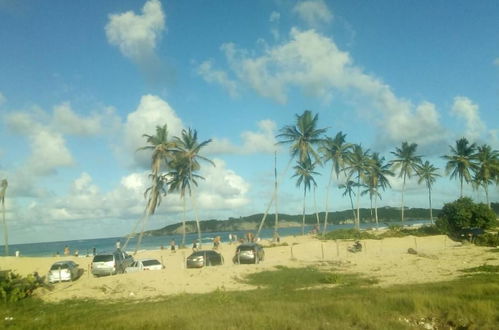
68,122
314,12
3,99
313,63
222,188
137,35
465,109
274,21
261,141
151,112
211,75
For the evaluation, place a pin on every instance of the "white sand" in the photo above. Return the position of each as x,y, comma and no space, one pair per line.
438,259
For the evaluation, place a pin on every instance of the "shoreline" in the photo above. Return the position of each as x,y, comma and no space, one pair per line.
387,260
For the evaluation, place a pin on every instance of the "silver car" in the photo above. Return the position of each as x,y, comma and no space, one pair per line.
249,253
204,258
110,263
64,271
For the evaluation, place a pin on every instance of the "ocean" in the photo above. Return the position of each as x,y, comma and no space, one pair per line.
86,246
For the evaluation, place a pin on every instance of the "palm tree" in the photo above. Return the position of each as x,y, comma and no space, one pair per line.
427,173
487,168
336,151
358,165
377,178
188,149
303,136
406,162
162,151
3,188
461,161
180,180
304,171
348,190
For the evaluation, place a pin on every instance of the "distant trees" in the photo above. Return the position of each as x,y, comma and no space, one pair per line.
427,173
304,172
461,161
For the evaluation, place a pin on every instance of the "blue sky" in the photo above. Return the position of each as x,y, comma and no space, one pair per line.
81,82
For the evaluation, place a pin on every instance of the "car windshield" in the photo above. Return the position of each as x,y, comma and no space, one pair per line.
150,262
246,248
103,258
61,266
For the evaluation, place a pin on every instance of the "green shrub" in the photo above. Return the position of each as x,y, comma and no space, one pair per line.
488,239
349,234
14,287
463,214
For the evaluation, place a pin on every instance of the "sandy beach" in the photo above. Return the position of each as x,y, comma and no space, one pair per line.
438,259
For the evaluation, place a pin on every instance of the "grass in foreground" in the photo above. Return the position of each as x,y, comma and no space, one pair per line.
470,302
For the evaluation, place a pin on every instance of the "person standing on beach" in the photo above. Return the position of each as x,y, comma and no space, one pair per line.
67,252
118,244
172,246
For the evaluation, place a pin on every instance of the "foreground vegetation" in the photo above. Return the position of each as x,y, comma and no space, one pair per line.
304,298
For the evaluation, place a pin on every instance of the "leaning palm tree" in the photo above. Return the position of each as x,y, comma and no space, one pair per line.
162,151
487,167
303,137
377,178
3,188
348,190
358,166
336,151
188,148
461,161
406,161
304,171
427,173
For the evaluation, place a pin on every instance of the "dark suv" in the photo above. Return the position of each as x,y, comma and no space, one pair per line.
249,253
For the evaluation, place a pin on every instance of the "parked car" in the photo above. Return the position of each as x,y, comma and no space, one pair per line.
144,264
249,253
66,270
111,263
204,258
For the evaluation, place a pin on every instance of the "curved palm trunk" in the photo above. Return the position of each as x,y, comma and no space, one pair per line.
5,232
327,201
431,210
315,207
357,220
376,210
276,224
303,219
183,223
351,205
402,207
371,210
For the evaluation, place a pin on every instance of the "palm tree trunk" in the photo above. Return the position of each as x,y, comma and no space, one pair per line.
327,201
376,210
486,188
357,220
194,202
144,222
276,224
402,208
316,213
183,223
461,187
351,205
5,232
431,211
371,210
303,218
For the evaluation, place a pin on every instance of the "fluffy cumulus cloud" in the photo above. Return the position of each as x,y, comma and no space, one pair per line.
137,35
151,112
260,141
314,64
222,188
466,110
210,75
314,12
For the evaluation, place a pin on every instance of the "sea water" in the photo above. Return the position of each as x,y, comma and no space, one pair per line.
85,247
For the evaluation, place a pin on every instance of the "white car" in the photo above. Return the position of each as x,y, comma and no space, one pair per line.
144,264
63,271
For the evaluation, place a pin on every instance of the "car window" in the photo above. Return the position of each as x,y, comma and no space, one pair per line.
57,266
103,258
246,248
150,262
